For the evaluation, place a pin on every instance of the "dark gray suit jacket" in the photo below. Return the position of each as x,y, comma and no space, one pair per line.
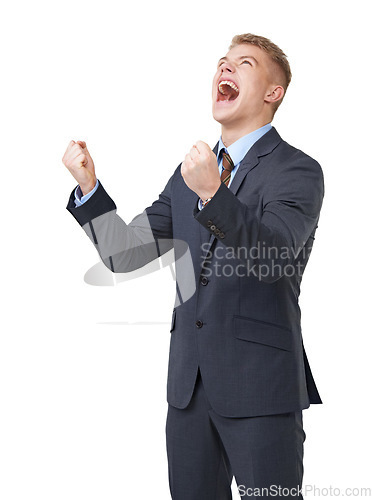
236,313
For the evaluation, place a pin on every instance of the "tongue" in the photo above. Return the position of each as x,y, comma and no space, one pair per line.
229,94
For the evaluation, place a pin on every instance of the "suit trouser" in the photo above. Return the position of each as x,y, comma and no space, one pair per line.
205,450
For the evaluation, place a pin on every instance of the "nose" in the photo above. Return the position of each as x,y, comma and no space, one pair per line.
227,67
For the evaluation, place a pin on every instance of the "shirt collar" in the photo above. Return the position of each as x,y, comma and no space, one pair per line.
238,149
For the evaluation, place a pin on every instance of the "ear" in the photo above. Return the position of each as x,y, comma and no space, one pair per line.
274,94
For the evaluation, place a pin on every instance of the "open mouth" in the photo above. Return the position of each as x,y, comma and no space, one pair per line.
227,91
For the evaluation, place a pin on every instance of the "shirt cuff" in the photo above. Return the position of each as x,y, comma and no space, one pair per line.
80,199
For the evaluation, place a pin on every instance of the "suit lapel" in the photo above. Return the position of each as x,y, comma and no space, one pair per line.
248,163
265,145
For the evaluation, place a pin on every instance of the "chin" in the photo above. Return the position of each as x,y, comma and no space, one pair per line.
224,116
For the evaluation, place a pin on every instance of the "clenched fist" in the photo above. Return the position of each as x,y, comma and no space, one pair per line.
200,170
79,162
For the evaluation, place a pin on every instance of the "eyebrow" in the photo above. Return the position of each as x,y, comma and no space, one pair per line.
240,58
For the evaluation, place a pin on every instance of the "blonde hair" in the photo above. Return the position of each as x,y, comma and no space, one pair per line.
276,54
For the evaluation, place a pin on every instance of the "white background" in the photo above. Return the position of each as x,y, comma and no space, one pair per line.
83,368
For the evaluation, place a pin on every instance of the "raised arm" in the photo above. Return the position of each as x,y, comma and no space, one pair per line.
122,247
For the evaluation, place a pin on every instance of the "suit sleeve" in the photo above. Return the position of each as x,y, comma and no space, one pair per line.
125,247
289,216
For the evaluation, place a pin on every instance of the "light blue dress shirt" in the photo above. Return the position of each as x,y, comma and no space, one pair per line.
79,199
237,150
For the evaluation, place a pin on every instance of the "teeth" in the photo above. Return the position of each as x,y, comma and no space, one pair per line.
227,82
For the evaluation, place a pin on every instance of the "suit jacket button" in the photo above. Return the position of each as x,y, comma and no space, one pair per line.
222,235
204,280
217,231
213,227
199,323
209,223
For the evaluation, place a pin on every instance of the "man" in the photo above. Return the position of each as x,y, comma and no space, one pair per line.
247,213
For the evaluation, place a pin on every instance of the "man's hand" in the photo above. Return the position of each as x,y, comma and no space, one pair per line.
80,164
200,170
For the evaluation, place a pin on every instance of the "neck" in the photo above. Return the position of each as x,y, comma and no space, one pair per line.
231,133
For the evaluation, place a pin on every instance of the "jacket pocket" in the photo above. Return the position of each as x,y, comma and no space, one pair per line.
261,332
173,322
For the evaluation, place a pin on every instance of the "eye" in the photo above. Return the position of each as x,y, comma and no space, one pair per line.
246,62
